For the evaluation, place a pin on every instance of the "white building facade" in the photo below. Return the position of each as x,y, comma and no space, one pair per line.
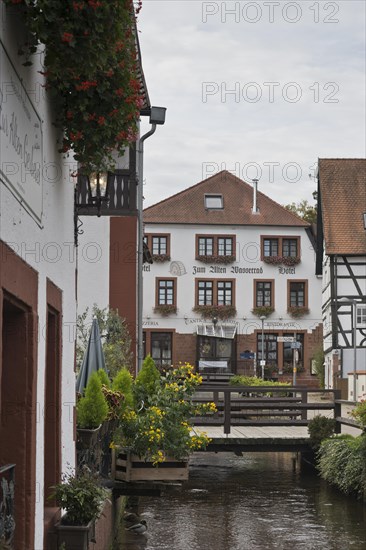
37,291
224,276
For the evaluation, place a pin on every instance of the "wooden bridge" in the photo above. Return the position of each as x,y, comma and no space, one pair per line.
264,418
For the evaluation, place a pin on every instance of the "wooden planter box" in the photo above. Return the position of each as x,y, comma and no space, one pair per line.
129,467
75,537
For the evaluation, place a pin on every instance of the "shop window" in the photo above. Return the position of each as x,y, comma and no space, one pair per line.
270,348
161,348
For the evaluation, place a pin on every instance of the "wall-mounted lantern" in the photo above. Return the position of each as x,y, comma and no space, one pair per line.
97,184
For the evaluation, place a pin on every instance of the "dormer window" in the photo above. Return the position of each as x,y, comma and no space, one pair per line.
214,202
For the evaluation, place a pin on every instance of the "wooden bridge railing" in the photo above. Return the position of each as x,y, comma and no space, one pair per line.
264,405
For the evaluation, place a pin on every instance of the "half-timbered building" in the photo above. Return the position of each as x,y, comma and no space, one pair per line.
341,259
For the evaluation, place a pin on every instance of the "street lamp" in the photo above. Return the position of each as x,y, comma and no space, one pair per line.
157,116
353,304
263,361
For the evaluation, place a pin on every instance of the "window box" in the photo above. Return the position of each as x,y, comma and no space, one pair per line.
284,260
221,312
160,258
298,311
165,309
263,310
216,259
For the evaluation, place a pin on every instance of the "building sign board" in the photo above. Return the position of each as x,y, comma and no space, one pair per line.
247,355
20,141
285,339
296,345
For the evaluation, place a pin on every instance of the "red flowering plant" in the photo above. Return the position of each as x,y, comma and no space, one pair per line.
91,70
285,260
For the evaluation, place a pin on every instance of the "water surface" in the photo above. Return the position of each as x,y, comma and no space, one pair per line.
251,502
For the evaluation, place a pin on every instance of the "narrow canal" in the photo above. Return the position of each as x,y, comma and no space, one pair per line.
251,502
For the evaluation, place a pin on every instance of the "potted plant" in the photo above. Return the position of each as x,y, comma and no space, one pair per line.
155,438
82,498
91,411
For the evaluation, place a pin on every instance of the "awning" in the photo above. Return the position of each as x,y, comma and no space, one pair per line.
217,331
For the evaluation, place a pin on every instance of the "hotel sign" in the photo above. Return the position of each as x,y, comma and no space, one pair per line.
20,141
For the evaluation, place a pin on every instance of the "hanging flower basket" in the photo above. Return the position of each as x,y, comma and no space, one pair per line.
127,466
91,73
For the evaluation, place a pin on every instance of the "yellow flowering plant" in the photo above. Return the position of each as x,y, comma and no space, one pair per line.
158,425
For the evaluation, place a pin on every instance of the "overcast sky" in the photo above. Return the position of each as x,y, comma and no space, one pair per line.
258,88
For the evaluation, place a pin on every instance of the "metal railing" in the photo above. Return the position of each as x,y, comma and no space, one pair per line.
264,405
7,504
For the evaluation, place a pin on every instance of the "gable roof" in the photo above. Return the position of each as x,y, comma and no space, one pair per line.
188,206
342,186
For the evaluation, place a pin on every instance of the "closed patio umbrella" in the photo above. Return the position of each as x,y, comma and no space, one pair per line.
93,358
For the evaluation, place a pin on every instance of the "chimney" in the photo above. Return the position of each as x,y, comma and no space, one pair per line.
255,209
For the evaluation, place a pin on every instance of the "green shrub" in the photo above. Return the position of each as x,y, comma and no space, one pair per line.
341,462
103,377
147,380
359,413
122,382
92,409
320,428
239,380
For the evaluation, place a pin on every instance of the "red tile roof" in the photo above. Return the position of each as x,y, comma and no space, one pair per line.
188,206
342,184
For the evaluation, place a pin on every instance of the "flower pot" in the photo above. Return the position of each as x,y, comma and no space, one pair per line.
127,466
75,537
86,438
